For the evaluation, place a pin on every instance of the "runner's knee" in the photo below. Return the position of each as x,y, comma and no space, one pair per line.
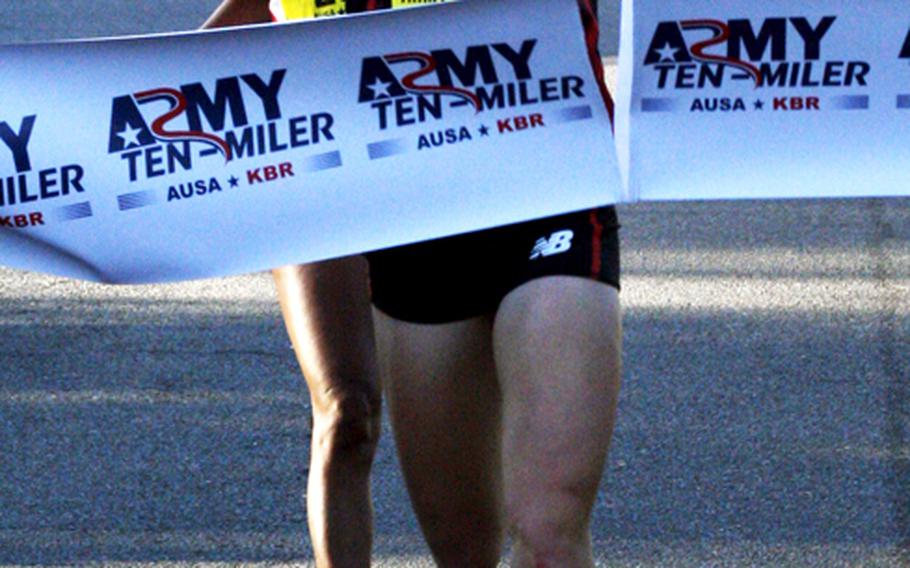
348,423
551,528
549,545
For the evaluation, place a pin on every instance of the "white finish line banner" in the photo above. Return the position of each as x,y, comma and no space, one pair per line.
207,154
745,99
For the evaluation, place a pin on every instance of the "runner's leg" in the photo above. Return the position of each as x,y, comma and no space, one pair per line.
558,347
444,404
328,317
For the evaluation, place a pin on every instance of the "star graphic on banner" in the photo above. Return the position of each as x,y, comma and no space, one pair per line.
667,53
233,181
484,131
380,88
130,136
759,105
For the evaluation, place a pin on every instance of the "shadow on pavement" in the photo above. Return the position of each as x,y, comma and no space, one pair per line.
188,442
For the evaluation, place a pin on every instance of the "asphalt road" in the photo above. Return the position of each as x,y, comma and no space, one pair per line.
764,421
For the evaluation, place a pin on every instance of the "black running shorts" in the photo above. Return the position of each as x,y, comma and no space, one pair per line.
464,276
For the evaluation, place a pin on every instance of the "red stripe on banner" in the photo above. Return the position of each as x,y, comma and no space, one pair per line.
428,66
596,249
592,33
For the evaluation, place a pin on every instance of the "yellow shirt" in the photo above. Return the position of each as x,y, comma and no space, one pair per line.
299,9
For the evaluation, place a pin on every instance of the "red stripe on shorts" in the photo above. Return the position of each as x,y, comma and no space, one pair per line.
597,230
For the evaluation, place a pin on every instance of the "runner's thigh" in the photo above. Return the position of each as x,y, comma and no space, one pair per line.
557,349
444,403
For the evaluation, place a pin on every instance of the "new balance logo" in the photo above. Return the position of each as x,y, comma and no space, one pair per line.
560,241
